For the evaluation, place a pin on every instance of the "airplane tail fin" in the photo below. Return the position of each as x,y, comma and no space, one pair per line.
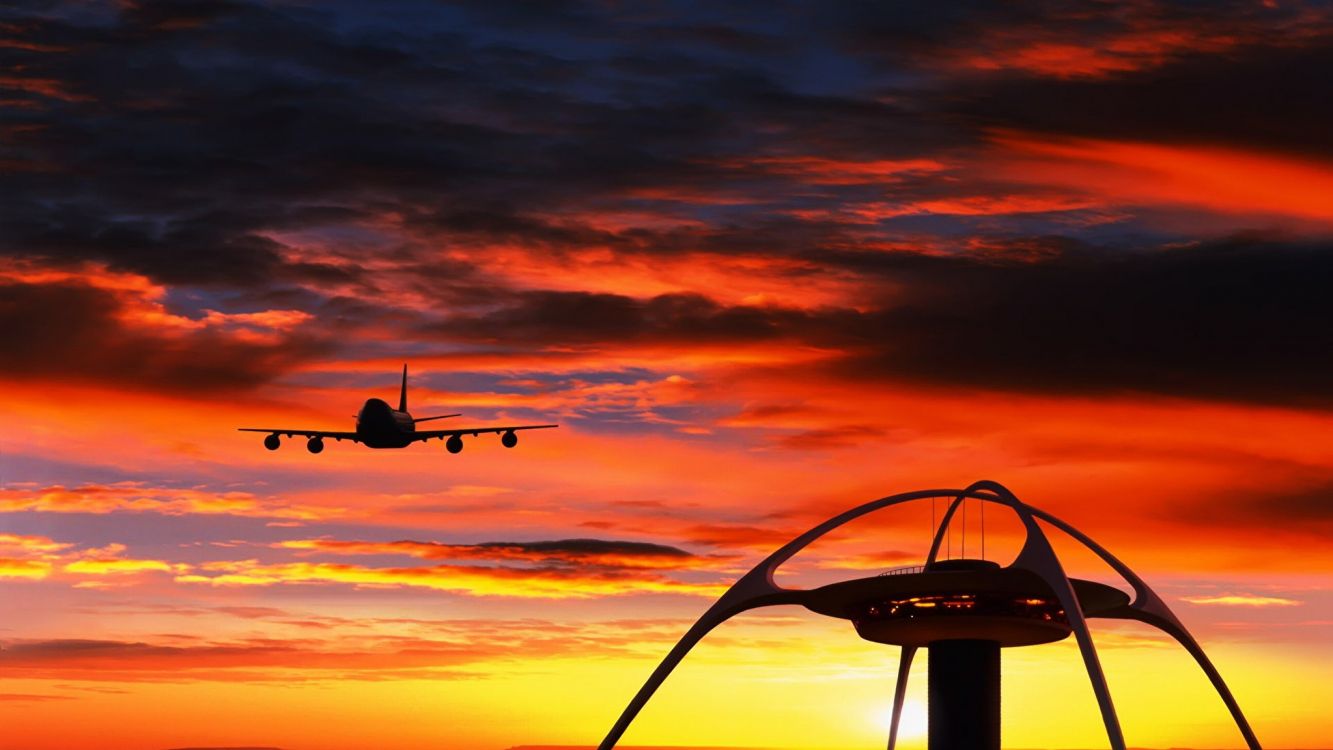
402,395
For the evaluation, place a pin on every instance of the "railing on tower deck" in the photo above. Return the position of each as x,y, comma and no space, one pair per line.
904,570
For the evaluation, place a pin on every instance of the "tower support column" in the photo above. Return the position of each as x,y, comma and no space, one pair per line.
964,695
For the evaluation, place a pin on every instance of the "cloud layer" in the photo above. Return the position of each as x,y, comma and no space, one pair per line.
761,264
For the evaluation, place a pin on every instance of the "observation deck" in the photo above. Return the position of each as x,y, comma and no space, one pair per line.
959,600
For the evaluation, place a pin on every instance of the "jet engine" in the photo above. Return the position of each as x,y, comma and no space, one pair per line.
509,439
454,444
316,445
273,442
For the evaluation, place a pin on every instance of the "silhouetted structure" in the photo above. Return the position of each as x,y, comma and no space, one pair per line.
964,612
379,425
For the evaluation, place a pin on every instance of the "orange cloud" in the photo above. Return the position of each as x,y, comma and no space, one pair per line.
142,301
25,271
879,561
995,205
136,498
537,583
1074,43
1243,183
27,543
29,569
41,557
705,262
29,557
819,170
868,214
610,357
1063,59
1243,600
119,565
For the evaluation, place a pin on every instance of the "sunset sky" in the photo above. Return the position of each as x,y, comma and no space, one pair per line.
761,261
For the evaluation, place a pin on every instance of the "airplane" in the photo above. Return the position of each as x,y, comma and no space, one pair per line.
379,426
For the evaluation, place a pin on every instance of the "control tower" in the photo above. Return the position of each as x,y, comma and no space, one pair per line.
964,612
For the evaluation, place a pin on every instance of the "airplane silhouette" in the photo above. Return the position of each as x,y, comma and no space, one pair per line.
379,426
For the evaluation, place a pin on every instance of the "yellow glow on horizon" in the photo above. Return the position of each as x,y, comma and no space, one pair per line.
1244,600
760,699
912,725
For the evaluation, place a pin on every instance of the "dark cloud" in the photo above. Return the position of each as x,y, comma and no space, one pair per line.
559,318
576,547
1241,319
176,138
916,31
214,144
191,251
23,653
841,436
988,39
31,697
1257,98
593,553
1297,508
737,536
74,331
499,224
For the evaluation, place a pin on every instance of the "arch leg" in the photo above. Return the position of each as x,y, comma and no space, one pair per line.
754,589
1185,639
1094,666
1177,631
659,675
1149,608
1038,557
900,692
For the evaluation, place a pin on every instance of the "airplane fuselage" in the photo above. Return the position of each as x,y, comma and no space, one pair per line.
379,425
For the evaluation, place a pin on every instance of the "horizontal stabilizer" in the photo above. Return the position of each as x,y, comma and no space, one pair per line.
442,416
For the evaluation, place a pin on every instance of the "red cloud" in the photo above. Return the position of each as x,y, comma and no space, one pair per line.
1225,180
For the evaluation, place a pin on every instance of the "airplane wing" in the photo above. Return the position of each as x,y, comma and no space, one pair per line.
474,431
304,433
